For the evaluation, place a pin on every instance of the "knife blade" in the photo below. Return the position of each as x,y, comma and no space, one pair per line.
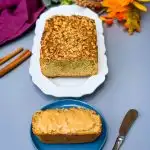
127,122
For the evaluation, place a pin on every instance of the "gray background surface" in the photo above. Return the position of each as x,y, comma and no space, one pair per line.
127,86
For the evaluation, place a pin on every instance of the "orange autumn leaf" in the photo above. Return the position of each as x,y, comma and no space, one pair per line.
120,16
125,11
116,8
116,5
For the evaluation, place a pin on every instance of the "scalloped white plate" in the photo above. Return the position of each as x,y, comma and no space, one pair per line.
68,87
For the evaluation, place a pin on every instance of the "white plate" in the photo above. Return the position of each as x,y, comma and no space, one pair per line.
68,87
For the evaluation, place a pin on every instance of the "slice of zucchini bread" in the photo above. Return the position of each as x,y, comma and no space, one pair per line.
72,125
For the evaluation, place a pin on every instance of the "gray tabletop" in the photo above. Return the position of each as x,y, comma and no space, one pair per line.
127,86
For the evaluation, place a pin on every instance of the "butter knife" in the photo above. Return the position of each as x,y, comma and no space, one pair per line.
127,122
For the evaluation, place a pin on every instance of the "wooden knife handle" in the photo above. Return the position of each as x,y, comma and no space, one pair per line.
26,54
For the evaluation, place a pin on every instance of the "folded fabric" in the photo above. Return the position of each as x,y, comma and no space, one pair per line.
17,16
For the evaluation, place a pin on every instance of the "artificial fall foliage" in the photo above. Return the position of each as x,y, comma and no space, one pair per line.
132,22
125,11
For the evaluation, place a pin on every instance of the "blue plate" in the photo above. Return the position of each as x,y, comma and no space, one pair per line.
96,145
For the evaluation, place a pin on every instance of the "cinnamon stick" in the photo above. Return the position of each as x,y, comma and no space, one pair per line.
10,55
20,59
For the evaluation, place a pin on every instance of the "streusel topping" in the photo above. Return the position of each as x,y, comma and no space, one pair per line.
69,37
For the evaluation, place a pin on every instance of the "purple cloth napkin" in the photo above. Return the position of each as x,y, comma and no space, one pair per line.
17,16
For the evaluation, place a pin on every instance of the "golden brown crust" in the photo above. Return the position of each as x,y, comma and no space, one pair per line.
74,125
55,139
69,37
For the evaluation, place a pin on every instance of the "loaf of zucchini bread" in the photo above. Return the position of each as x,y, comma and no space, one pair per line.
69,47
72,125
